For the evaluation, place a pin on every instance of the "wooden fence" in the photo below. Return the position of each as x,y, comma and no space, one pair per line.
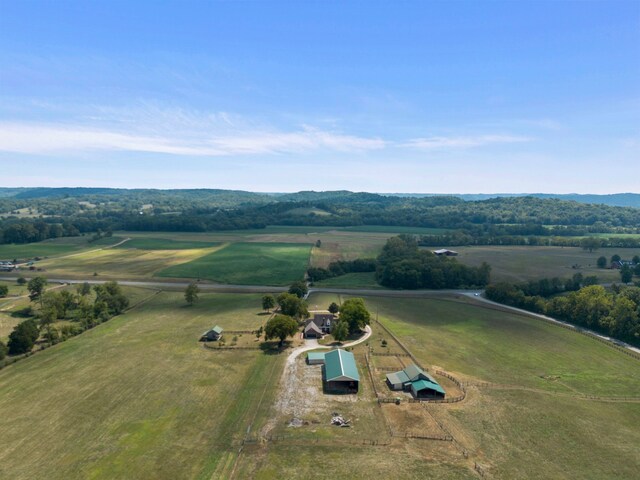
375,354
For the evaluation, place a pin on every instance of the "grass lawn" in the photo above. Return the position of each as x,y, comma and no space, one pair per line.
532,263
137,397
248,264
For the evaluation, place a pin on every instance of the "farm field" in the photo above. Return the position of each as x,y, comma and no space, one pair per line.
49,248
120,262
136,397
351,280
531,263
247,264
164,244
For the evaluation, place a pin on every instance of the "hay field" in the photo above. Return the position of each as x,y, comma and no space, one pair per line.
119,262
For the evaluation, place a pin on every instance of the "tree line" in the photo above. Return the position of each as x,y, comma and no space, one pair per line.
402,264
85,308
503,220
614,312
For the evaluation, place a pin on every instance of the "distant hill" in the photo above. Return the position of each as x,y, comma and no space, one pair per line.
613,200
335,196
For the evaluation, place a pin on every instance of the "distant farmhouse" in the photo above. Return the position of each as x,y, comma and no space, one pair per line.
319,325
618,264
415,380
339,373
445,252
212,335
7,266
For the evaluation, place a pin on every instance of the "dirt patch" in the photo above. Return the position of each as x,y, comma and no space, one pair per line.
411,419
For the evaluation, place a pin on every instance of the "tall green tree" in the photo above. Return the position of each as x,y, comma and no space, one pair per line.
4,290
602,262
268,302
299,289
355,314
280,327
36,288
626,274
292,305
590,243
191,293
23,337
334,308
341,331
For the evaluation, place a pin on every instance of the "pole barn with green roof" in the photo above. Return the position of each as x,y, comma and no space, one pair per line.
340,373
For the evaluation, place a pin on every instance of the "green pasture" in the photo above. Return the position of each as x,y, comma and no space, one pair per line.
164,244
351,280
247,264
516,264
137,397
488,345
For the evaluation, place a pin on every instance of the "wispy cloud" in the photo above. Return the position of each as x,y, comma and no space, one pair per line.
469,141
51,139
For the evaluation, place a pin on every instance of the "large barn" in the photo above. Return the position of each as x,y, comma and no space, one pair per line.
340,373
415,380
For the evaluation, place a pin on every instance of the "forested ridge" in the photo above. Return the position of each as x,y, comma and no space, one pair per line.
28,215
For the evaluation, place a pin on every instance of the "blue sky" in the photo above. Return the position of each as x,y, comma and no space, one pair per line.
437,97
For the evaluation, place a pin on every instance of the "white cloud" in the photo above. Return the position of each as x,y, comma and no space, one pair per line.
50,139
469,141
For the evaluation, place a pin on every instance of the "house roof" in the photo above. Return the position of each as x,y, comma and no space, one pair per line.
312,326
426,384
315,355
397,377
217,329
340,365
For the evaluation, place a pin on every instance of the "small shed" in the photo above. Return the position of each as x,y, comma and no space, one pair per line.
340,373
212,335
397,380
315,358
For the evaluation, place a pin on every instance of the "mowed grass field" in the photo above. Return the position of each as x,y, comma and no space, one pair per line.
532,263
54,247
536,426
137,397
247,264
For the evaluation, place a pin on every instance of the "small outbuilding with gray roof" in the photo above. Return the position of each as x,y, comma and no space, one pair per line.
340,373
212,335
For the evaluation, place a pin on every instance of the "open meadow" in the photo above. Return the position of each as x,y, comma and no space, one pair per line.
518,264
138,396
